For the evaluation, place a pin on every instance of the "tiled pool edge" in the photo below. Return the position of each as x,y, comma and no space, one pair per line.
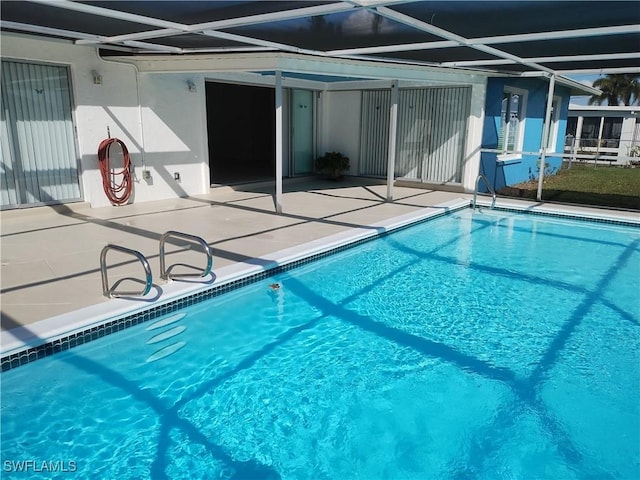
35,347
284,260
559,212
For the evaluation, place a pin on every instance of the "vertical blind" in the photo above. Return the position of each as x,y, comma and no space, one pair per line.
449,113
374,139
38,157
432,124
414,126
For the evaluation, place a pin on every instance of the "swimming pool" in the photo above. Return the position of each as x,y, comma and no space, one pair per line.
474,345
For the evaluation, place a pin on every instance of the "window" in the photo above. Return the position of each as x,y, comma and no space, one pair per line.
552,140
611,130
590,130
592,136
572,128
512,116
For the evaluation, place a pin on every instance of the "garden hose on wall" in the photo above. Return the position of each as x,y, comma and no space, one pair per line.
117,185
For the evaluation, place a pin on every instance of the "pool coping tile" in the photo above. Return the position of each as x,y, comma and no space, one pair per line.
24,344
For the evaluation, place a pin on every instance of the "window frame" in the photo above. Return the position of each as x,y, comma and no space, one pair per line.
552,141
516,153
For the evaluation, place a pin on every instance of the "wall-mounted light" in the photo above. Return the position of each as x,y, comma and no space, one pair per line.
97,78
191,86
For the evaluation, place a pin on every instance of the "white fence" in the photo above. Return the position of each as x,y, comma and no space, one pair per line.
611,151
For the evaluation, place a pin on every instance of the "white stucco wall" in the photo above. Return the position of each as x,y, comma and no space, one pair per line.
165,118
627,136
164,125
341,125
471,162
175,136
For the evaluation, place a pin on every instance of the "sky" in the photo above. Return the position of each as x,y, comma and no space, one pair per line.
586,80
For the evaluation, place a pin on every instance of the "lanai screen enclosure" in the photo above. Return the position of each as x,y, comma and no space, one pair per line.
407,89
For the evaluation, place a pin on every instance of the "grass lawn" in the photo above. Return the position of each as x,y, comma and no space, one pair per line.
585,184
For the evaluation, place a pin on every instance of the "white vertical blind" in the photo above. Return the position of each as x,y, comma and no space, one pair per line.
374,139
8,192
432,124
414,127
449,111
40,148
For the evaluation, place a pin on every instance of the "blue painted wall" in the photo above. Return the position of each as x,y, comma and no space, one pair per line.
511,172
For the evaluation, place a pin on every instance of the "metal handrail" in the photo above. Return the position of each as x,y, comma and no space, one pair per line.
108,292
164,272
475,192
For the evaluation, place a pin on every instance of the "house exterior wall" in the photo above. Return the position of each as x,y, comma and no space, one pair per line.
162,123
340,126
628,145
504,171
475,127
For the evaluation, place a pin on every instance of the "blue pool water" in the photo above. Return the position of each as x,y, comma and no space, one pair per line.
476,345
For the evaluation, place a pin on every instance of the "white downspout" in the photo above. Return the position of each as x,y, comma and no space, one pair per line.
545,134
391,155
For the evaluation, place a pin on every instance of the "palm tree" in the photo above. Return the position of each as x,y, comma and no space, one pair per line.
617,89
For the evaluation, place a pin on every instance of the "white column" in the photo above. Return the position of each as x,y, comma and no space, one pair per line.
278,141
595,162
546,128
391,156
579,124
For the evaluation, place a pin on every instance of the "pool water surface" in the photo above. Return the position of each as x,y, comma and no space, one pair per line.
481,345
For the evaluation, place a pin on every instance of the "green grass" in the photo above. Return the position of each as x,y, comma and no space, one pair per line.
604,186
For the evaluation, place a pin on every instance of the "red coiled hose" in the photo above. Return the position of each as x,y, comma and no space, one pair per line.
118,192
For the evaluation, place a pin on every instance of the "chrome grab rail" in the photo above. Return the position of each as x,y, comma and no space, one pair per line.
475,192
164,272
108,292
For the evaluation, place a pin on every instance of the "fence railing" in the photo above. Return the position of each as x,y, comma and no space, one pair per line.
607,150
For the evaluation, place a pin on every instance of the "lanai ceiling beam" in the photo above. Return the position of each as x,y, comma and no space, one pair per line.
463,42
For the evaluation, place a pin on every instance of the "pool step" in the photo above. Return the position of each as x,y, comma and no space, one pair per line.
166,321
166,351
165,335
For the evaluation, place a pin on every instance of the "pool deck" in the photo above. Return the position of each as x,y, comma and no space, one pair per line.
51,255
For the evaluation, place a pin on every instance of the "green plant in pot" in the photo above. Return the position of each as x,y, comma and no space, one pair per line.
333,164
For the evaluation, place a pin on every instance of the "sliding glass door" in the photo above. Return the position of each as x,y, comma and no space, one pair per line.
302,126
38,159
431,132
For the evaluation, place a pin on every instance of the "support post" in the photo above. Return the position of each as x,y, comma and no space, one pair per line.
574,151
545,134
393,130
600,130
278,114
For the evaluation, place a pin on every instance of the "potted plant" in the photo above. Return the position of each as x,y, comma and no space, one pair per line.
333,164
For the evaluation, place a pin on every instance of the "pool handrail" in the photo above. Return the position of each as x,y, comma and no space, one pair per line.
165,272
491,190
109,292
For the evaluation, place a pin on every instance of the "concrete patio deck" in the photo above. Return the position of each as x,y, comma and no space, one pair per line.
51,255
